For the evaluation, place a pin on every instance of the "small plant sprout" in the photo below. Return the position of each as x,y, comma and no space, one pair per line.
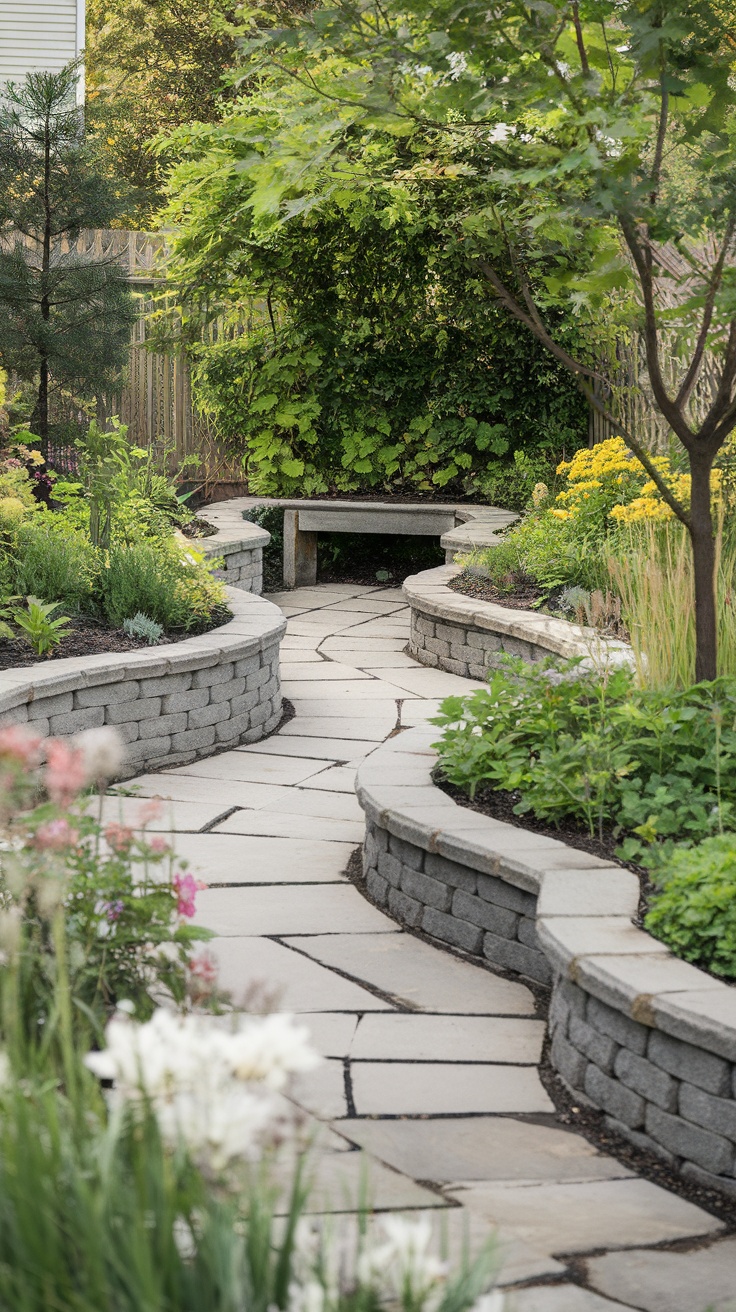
140,626
42,632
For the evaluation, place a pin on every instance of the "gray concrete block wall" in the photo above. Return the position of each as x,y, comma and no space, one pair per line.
242,568
668,1096
463,649
476,912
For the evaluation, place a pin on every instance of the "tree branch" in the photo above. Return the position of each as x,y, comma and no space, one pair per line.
585,66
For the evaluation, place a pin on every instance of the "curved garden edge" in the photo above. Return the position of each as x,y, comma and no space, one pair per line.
636,1032
239,542
172,704
465,636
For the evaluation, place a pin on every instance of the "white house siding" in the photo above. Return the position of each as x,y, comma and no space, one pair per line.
39,35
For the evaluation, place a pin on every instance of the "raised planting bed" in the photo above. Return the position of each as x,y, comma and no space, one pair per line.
465,636
239,542
636,1032
172,703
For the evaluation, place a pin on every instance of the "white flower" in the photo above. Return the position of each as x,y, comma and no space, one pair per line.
212,1086
403,1258
103,752
494,1301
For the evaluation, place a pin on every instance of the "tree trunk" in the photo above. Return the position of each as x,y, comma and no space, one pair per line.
42,405
704,559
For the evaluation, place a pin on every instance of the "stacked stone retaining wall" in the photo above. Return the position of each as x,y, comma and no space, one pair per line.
466,636
171,704
636,1032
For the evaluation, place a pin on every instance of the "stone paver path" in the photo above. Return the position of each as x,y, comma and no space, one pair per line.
430,1061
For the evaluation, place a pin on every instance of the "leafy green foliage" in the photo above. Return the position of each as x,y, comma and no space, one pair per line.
372,355
52,561
42,629
694,912
655,767
155,578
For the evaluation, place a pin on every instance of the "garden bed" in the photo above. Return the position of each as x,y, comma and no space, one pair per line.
637,1033
172,703
466,636
88,637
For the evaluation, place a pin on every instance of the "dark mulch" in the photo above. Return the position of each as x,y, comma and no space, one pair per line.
82,638
525,596
199,528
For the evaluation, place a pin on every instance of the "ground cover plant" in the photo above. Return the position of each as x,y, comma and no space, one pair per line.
654,769
149,1156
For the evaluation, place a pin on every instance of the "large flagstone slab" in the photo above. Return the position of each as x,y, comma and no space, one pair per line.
253,968
312,748
420,1037
419,1089
226,858
344,726
194,788
658,1281
419,976
337,778
282,824
300,909
251,767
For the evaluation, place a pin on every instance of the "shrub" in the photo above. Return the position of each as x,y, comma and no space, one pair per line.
655,767
55,563
174,590
695,910
141,627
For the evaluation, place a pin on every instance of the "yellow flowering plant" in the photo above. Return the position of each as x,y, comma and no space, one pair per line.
606,482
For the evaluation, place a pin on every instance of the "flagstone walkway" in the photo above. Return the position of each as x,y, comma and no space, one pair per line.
430,1061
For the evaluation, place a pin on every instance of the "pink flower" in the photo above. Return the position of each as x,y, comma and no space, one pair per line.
65,771
186,888
119,837
151,810
158,846
113,910
55,835
202,975
19,745
201,884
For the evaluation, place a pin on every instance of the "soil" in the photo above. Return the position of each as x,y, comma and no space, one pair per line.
199,528
82,638
525,596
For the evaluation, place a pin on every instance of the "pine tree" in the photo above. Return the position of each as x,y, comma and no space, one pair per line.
65,317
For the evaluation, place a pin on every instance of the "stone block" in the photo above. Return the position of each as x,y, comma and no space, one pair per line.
107,693
527,933
92,717
429,891
516,957
498,919
492,889
447,633
129,732
629,1033
482,640
451,930
643,1077
246,702
597,1047
455,667
44,707
215,713
567,1061
477,671
257,679
711,1151
174,702
165,683
224,692
260,714
247,665
162,724
144,708
689,1063
516,647
230,731
613,1097
717,1114
423,625
449,872
405,852
390,868
406,909
380,837
193,739
575,999
151,750
436,645
220,673
377,887
725,1183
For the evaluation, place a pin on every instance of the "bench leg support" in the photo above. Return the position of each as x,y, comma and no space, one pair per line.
300,553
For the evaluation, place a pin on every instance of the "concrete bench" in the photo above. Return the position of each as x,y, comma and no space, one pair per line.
459,527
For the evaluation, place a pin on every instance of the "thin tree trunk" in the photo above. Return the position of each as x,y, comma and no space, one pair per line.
43,382
704,559
42,404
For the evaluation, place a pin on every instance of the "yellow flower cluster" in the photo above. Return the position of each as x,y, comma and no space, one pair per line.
609,471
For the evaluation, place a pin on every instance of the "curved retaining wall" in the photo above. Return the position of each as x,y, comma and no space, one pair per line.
636,1032
171,704
465,636
239,542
